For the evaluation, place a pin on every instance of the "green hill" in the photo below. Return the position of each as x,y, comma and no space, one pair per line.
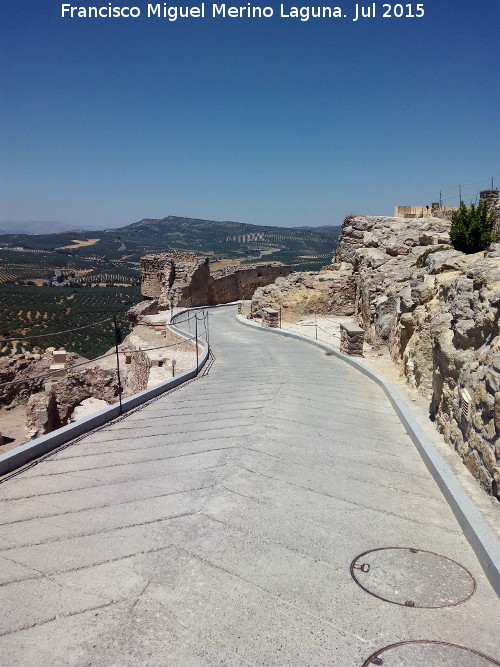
112,251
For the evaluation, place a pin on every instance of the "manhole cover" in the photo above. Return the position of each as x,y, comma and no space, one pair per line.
412,577
430,654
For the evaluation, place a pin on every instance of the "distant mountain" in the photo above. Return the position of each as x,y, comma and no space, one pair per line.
306,248
34,227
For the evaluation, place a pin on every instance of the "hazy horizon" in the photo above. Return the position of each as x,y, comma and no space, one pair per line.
23,224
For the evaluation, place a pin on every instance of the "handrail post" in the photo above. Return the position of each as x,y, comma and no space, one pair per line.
118,364
196,337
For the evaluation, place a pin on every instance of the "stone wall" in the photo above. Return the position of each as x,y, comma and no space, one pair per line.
352,338
434,210
27,364
240,282
152,268
446,338
42,416
186,281
154,353
491,197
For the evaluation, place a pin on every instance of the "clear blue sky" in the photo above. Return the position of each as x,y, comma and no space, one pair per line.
271,121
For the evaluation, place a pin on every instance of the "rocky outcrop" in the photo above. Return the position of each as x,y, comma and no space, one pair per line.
140,311
53,409
300,294
438,311
29,365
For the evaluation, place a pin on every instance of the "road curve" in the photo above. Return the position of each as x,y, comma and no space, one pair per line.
217,525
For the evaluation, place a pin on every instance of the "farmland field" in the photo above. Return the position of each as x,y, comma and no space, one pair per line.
29,311
124,246
17,266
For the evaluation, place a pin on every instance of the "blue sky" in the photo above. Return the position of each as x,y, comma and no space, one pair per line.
271,121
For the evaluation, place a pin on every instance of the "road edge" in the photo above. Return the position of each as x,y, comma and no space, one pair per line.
29,451
477,531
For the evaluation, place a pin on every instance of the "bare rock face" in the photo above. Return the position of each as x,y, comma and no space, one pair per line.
42,416
87,407
26,365
49,411
446,260
140,311
299,294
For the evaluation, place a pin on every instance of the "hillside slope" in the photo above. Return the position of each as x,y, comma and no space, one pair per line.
305,248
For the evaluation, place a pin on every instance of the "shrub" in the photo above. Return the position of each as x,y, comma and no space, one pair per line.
472,228
420,263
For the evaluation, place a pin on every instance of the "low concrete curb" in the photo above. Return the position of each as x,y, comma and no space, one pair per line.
475,528
19,456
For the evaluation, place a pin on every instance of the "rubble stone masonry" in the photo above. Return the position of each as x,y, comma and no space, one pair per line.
185,280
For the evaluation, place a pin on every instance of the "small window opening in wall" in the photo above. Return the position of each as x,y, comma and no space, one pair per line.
465,401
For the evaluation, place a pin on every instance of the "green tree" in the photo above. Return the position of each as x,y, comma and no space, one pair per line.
472,227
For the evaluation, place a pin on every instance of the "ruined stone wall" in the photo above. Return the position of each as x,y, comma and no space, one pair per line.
191,286
27,364
139,367
491,197
42,415
249,279
152,267
48,411
235,283
186,281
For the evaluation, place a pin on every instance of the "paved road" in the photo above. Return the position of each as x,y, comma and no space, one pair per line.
216,526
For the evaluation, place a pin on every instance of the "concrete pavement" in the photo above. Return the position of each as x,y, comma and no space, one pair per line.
217,526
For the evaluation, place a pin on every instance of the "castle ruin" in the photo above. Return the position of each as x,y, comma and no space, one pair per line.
185,280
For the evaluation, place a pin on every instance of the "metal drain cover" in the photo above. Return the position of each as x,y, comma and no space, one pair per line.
412,577
430,654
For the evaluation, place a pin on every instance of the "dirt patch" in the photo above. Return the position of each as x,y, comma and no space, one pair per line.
221,263
38,281
78,243
13,427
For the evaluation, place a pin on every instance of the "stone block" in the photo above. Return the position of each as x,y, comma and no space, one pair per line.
59,357
58,372
270,318
352,338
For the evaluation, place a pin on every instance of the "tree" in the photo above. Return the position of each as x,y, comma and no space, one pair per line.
472,228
